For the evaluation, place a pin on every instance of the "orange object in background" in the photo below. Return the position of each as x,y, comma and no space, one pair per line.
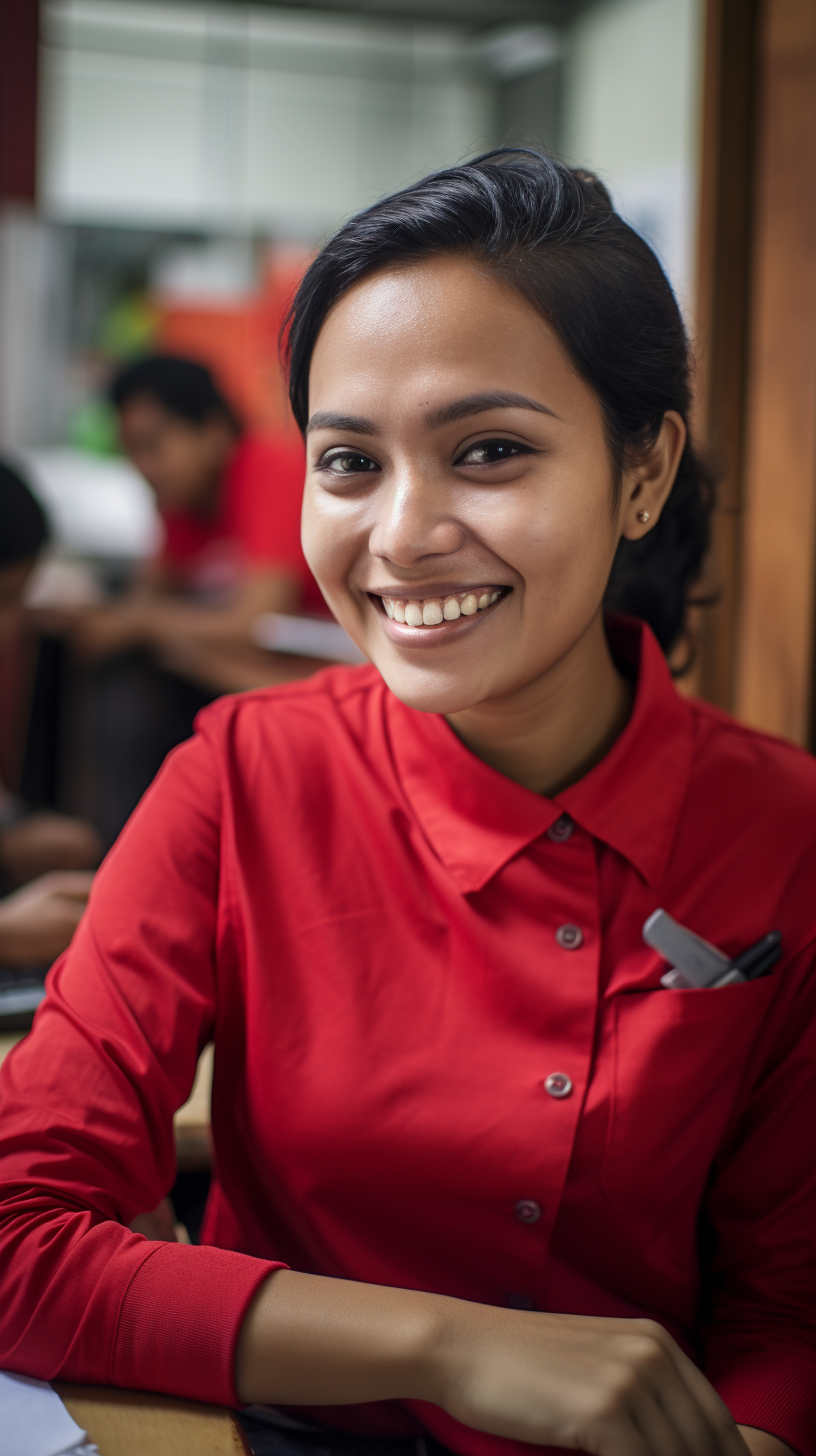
238,340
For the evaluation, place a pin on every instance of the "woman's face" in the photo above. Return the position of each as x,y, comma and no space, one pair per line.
458,510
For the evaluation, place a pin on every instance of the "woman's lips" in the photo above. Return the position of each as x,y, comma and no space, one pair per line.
420,620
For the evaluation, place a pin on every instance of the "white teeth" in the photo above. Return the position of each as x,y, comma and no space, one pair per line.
435,610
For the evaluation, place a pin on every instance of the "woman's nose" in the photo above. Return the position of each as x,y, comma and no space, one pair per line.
414,520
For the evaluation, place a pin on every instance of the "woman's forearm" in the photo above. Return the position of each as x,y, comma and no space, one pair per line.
548,1379
760,1443
307,1340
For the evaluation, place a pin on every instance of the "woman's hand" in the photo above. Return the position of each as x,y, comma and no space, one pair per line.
37,922
611,1387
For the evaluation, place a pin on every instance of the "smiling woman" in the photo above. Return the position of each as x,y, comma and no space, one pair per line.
481,1175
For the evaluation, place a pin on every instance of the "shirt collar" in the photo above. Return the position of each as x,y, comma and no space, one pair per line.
476,819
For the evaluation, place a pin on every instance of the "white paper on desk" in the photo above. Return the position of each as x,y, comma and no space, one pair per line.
34,1421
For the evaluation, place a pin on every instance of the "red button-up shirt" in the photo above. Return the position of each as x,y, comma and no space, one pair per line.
394,948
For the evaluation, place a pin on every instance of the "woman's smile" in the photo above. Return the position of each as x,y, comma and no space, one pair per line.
432,618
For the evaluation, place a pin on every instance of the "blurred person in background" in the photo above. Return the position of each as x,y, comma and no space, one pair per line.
230,503
45,858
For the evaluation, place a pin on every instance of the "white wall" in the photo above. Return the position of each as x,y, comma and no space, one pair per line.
238,117
632,102
34,274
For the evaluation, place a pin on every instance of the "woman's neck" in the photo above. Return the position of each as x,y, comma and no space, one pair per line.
553,731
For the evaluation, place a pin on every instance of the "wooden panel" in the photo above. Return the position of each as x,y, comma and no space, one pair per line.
136,1423
721,320
774,673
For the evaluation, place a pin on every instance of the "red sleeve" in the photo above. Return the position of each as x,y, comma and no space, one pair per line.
265,498
759,1337
86,1140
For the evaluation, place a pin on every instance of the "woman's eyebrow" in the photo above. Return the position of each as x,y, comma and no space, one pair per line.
328,420
474,404
458,409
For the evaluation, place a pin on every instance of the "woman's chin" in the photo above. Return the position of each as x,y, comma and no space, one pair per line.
431,690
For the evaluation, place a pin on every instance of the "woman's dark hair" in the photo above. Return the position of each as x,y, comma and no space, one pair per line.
552,233
181,386
23,526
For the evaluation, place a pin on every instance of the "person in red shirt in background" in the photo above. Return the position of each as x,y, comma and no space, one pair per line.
230,503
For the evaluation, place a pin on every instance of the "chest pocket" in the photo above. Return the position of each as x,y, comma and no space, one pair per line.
679,1060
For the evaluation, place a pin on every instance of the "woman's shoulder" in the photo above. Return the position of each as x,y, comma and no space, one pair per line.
334,702
752,774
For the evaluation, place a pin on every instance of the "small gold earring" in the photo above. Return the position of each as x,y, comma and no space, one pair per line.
643,517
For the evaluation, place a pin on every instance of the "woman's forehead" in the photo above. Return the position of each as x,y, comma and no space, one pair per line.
441,329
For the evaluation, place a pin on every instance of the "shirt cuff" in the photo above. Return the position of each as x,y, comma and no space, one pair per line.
772,1390
180,1319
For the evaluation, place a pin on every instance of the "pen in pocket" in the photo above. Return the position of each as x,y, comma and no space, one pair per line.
697,964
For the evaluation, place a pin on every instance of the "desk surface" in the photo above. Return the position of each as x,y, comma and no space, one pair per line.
137,1423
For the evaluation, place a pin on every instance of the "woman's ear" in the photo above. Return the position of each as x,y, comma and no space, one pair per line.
646,485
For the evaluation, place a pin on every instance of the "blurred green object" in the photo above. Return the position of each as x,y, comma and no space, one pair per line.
93,427
128,327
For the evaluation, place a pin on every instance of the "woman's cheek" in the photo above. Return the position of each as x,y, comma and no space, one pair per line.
321,537
331,543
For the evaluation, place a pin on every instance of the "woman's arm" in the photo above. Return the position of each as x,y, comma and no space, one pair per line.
760,1443
86,1133
617,1387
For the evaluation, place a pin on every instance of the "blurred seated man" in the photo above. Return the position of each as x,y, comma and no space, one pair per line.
51,851
230,504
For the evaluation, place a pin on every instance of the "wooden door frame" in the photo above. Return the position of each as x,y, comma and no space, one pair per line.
756,336
725,211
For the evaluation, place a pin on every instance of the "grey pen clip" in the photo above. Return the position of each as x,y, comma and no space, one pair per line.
694,962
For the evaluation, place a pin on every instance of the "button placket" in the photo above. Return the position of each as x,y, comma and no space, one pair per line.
569,892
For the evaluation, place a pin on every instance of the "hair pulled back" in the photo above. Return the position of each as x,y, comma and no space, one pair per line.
551,232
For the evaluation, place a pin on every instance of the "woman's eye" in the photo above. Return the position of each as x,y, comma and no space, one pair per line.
346,462
492,452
